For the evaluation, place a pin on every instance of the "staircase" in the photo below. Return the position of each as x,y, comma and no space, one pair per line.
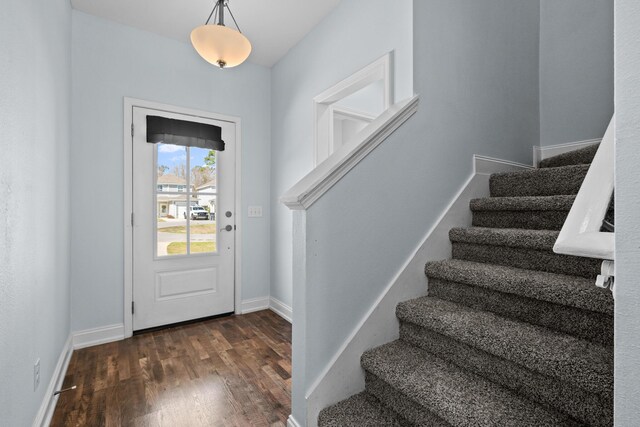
510,334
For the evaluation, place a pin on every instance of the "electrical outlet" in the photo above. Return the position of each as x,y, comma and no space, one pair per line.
36,375
255,211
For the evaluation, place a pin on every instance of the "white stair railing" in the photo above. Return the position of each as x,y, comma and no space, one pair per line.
580,234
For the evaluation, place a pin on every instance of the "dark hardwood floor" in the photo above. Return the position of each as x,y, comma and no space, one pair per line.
232,371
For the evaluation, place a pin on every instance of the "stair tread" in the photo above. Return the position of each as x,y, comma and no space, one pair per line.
455,395
511,237
556,288
539,182
358,410
575,361
523,203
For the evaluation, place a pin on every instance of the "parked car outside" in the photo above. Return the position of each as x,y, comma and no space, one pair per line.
197,212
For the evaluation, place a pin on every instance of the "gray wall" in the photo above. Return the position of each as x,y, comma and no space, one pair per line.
35,75
576,69
352,36
476,70
477,76
627,285
112,61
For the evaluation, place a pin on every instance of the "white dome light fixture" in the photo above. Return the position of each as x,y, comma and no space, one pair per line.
221,46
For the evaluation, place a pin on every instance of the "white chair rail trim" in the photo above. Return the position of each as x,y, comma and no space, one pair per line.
313,186
580,235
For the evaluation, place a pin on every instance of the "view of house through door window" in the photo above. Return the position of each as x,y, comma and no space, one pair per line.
186,200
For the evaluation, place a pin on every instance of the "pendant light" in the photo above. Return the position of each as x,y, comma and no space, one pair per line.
222,46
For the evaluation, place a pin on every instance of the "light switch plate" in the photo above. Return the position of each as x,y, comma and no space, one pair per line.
255,211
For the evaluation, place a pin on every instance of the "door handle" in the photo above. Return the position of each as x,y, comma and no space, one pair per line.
227,228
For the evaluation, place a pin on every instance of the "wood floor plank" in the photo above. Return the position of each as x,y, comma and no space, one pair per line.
232,371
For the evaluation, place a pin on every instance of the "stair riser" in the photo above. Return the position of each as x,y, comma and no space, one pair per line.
577,157
586,407
397,402
539,240
541,182
362,410
528,259
531,220
589,325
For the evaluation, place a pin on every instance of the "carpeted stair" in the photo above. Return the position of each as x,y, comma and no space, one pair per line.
583,156
510,334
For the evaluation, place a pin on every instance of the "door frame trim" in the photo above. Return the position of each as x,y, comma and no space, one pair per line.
129,103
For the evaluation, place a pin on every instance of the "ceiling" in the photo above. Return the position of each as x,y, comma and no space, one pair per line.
272,26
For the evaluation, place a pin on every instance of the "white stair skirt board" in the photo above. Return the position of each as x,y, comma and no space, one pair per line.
544,152
291,422
253,305
281,309
484,165
343,376
48,406
97,336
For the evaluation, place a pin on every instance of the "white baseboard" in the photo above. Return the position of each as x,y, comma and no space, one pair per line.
281,309
255,304
266,303
544,152
487,165
97,336
48,406
291,422
343,375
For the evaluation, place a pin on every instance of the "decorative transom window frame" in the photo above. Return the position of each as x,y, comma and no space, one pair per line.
324,108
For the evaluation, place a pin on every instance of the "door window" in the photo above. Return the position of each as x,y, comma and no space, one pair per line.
185,200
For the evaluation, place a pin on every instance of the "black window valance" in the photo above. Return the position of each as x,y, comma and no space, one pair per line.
184,133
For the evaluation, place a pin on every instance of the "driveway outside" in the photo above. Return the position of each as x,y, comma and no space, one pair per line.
165,239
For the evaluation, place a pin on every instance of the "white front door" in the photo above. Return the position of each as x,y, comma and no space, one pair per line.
183,226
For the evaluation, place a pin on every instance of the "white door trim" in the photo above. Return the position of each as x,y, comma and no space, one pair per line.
129,103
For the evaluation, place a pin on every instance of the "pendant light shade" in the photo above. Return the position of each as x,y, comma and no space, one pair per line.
222,46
